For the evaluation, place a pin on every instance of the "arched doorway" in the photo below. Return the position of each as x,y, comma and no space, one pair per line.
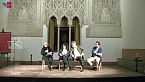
57,35
51,32
76,26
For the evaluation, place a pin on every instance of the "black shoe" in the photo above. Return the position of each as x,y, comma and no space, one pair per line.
70,68
82,70
63,69
95,69
50,68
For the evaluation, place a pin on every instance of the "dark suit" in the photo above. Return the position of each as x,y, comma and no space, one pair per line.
47,58
98,51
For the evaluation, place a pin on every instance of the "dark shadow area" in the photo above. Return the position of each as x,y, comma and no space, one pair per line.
114,79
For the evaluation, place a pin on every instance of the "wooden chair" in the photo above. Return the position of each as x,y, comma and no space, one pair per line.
60,64
76,64
98,65
43,66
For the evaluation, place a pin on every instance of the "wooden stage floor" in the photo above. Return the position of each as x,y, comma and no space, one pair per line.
35,71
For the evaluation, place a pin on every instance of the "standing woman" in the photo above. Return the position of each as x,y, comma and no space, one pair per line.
47,53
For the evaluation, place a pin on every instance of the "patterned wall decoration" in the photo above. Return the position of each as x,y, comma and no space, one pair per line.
60,8
23,10
106,12
24,20
106,19
27,16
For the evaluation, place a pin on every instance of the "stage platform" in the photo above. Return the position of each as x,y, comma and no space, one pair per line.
33,72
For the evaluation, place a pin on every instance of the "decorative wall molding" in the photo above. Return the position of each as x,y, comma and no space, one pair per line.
67,8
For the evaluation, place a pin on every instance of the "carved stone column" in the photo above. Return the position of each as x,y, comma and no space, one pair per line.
70,25
58,35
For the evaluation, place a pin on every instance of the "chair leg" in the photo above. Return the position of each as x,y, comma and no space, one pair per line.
81,67
99,66
43,64
59,66
96,64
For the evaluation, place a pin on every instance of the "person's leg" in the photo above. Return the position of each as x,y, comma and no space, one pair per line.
44,61
69,64
100,61
90,61
64,62
81,62
50,61
97,59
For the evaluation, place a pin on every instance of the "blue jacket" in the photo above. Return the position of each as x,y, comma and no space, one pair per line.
99,51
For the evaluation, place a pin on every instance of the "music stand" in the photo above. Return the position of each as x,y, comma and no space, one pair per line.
15,45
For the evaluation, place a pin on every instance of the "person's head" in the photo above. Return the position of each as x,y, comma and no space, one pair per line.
97,43
73,43
45,44
64,46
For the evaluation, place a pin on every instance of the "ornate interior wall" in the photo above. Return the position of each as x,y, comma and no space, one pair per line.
27,16
106,19
24,18
61,8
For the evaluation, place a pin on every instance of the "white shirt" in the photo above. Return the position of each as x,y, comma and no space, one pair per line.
64,52
96,50
76,53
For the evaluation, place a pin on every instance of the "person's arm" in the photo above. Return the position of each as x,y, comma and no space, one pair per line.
81,48
81,51
43,52
71,52
60,52
93,54
50,52
99,52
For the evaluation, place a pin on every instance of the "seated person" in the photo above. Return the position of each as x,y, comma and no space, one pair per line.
77,54
63,55
96,55
47,53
